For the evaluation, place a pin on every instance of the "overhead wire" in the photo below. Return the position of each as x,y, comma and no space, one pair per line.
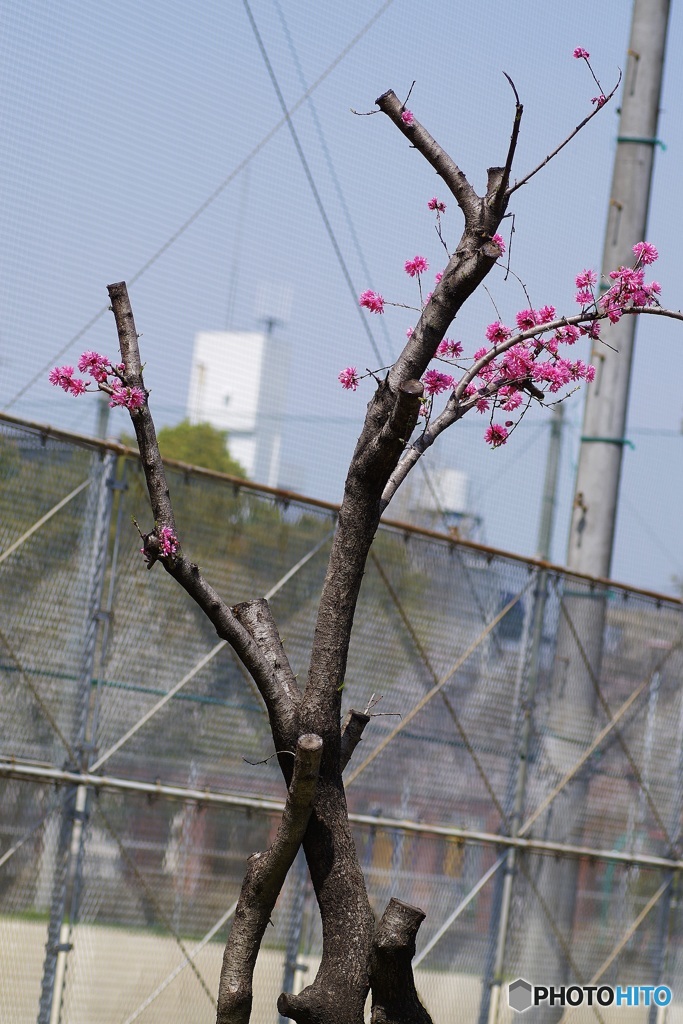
56,356
311,180
332,169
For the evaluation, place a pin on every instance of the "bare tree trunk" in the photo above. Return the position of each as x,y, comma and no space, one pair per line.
356,954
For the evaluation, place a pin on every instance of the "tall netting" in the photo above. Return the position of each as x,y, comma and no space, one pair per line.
522,781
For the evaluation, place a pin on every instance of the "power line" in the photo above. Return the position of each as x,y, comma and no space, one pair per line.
332,169
311,181
207,202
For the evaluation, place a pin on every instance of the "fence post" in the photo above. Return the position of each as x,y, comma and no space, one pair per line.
68,874
296,917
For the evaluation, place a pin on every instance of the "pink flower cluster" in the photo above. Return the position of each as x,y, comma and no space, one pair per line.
372,301
407,117
524,365
449,349
418,265
349,378
436,204
629,288
498,241
579,52
168,542
63,377
101,370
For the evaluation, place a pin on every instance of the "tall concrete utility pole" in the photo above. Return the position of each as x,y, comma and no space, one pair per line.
597,482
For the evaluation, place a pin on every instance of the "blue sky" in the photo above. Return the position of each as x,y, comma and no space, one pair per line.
121,121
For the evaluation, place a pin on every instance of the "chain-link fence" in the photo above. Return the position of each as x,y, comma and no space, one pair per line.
523,783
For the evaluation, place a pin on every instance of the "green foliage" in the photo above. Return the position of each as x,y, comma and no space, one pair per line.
200,444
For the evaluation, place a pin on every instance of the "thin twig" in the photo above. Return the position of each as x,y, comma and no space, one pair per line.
527,177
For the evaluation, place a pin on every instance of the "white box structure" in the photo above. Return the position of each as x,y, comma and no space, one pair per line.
238,383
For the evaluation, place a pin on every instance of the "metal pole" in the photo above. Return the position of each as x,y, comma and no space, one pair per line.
492,992
294,927
69,864
573,692
597,481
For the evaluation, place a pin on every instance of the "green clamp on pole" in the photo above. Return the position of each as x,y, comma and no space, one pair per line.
609,440
641,139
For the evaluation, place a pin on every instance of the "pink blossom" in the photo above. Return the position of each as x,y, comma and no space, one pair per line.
645,252
60,376
372,301
94,364
568,334
584,297
545,314
482,405
409,332
600,100
418,265
77,386
349,378
435,382
591,330
498,241
586,279
131,398
436,204
526,319
581,371
579,52
496,435
449,349
513,398
168,542
517,362
498,332
556,374
63,377
438,276
407,117
480,353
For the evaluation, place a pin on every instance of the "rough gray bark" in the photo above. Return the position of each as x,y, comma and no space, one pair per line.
266,873
394,996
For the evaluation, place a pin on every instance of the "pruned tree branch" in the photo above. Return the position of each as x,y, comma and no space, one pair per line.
443,164
394,997
527,177
266,873
496,191
186,573
257,618
352,732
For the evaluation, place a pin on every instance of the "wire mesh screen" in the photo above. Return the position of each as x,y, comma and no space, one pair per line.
521,781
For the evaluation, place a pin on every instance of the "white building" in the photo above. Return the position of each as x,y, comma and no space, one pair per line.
238,383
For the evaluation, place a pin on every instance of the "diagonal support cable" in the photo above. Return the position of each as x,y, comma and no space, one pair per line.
151,896
626,937
608,713
206,203
25,675
185,962
41,522
430,668
612,724
203,661
463,905
438,686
